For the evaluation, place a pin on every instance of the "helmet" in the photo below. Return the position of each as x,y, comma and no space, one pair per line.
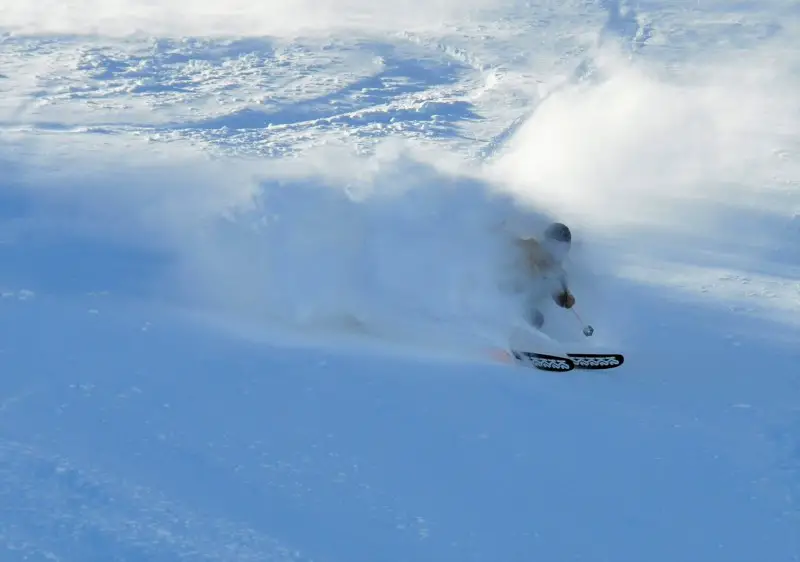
558,232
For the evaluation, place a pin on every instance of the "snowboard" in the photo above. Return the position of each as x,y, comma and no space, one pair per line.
572,361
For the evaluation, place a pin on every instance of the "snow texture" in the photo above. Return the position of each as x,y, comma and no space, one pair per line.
253,258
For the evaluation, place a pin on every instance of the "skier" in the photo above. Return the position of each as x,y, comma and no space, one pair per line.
542,264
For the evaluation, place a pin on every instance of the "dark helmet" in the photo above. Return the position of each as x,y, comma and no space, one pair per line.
559,232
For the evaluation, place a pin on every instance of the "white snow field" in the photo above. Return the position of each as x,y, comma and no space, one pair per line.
253,255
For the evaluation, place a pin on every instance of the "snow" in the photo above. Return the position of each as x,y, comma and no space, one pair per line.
253,258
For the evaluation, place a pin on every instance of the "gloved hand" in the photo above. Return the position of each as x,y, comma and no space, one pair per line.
565,299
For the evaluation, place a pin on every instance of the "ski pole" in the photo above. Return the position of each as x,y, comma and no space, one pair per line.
587,329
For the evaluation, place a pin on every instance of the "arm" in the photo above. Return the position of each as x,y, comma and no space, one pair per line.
539,263
562,296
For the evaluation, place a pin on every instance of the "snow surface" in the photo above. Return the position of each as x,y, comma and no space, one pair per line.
252,257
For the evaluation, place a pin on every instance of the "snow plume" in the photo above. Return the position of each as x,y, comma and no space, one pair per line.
407,247
681,182
229,18
393,245
667,167
636,148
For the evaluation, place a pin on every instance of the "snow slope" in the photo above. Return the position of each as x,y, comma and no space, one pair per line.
201,212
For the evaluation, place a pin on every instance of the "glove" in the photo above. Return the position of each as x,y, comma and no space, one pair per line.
565,299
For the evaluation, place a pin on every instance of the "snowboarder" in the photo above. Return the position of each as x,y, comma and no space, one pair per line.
542,264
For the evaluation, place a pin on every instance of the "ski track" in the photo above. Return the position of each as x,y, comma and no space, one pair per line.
178,213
